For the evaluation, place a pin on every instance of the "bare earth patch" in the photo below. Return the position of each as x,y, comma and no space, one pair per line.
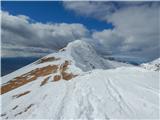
66,75
63,72
39,72
57,77
22,94
28,77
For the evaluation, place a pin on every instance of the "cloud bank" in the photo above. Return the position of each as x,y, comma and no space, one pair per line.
20,37
136,30
136,26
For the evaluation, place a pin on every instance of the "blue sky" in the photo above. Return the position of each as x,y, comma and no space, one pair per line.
52,11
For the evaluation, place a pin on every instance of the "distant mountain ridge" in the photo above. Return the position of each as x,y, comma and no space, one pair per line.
153,65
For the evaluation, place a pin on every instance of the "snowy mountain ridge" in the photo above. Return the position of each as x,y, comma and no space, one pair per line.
154,65
76,83
87,58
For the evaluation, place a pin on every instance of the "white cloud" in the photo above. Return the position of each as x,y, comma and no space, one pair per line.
91,8
136,26
110,39
139,27
135,32
21,35
99,9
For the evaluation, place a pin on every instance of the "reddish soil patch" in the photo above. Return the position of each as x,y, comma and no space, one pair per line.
65,75
44,81
28,77
19,95
38,72
57,78
48,59
64,66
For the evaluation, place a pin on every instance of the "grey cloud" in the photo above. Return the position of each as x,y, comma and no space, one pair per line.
135,32
136,26
21,34
110,39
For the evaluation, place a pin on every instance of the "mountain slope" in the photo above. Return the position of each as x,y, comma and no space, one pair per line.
97,94
80,55
154,65
64,85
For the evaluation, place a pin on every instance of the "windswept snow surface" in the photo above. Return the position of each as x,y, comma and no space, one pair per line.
99,94
94,93
87,58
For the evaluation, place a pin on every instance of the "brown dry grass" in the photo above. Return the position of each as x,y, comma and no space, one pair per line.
38,72
44,81
22,94
63,72
48,59
64,66
66,75
57,78
28,77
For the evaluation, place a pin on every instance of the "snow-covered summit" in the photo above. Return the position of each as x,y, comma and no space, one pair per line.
81,46
87,58
153,65
156,61
80,55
